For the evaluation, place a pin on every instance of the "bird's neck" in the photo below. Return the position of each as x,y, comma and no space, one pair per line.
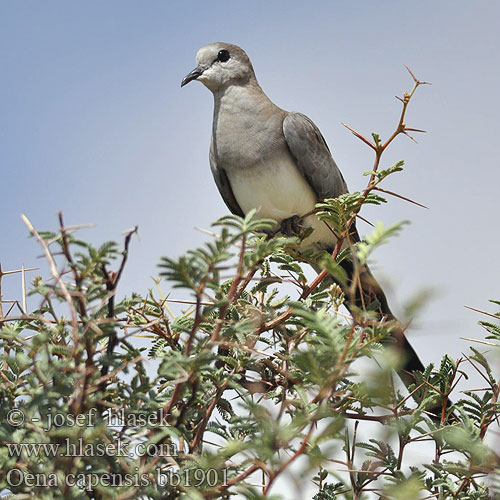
246,126
241,99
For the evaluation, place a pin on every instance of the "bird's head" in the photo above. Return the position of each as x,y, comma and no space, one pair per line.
220,65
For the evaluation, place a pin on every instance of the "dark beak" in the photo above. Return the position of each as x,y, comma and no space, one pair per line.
192,76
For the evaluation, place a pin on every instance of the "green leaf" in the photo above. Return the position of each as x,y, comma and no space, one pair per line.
379,236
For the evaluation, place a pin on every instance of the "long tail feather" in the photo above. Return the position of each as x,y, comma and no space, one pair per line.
362,291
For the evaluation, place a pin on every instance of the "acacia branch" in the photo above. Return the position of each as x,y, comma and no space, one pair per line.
111,282
55,273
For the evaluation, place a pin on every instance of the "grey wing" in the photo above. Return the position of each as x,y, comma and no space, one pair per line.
314,160
224,186
312,156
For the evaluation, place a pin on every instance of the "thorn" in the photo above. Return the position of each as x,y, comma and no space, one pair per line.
415,79
359,136
130,230
23,287
478,341
400,196
482,312
365,220
412,138
416,130
399,99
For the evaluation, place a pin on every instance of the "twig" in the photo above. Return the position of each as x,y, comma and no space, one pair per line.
111,284
206,417
231,295
297,454
57,277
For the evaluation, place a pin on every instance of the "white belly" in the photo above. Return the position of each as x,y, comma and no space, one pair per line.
279,191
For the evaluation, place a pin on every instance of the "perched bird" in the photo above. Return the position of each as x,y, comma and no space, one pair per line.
277,161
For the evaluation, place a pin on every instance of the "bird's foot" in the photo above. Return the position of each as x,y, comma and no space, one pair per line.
288,227
291,226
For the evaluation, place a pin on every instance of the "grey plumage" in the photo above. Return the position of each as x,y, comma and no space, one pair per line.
222,183
278,162
312,156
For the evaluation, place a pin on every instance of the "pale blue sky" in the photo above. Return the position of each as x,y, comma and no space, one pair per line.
93,122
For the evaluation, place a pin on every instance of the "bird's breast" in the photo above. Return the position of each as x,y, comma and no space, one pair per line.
278,191
275,187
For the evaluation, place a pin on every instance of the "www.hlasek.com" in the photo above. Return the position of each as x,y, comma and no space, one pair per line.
88,481
119,448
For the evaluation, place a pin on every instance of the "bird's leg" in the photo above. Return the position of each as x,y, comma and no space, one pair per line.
271,233
291,226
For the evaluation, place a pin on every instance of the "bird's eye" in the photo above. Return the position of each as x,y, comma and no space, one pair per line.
223,55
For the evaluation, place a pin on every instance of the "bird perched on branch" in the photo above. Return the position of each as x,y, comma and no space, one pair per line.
277,161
